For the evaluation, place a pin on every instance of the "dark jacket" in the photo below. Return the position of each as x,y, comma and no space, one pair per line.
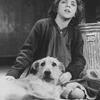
46,39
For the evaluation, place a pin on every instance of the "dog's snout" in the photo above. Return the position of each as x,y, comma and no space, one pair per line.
47,73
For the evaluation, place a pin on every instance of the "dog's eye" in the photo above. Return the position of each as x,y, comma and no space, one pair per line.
43,63
54,64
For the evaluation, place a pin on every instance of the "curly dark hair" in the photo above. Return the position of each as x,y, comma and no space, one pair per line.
79,15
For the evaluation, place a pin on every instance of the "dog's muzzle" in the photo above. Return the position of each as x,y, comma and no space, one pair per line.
47,73
47,76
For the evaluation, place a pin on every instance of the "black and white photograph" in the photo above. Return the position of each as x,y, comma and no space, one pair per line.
49,49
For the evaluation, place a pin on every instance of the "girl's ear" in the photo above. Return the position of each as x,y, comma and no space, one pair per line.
62,67
34,67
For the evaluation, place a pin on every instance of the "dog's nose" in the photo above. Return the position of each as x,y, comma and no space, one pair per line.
47,73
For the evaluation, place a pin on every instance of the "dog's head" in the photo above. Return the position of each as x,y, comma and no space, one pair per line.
48,69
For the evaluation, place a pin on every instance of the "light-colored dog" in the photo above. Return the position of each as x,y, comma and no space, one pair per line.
41,82
48,69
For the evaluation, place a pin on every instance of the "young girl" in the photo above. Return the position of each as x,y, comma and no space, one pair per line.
57,37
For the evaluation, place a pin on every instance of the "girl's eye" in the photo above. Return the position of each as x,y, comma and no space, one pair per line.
73,4
63,1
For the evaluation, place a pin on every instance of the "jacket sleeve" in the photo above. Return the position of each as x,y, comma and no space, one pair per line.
78,61
26,54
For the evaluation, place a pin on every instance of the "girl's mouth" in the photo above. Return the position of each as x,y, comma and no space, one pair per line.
68,11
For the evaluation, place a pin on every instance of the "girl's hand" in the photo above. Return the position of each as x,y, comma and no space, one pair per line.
64,78
7,77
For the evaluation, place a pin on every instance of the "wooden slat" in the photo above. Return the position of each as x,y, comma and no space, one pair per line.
91,36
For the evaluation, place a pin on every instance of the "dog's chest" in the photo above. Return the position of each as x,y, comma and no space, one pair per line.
44,89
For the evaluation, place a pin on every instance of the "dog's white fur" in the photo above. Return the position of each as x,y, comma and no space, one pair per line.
43,84
46,66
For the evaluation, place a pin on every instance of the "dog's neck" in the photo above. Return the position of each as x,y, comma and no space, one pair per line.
32,77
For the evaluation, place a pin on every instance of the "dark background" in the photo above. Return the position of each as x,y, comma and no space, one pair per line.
16,20
92,10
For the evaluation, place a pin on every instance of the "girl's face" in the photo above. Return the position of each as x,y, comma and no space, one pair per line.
67,9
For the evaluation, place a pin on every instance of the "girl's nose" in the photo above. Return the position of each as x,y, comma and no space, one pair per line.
68,3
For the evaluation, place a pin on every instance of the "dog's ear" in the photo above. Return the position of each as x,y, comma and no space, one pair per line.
62,67
34,67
